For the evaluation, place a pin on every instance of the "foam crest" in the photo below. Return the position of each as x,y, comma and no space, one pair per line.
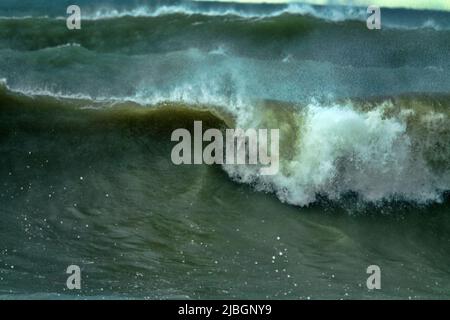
328,13
340,150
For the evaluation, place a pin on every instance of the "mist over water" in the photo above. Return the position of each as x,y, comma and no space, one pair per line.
86,176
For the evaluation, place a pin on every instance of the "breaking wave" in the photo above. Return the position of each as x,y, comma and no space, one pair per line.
388,149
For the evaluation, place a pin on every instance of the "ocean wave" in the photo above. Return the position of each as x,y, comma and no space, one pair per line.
254,12
287,37
326,13
388,149
214,75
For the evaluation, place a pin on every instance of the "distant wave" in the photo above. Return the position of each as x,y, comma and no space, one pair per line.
326,13
332,13
298,37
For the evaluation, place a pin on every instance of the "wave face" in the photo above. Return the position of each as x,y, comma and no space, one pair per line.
394,149
363,112
90,182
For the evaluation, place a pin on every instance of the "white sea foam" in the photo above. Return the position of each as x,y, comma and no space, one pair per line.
342,150
328,13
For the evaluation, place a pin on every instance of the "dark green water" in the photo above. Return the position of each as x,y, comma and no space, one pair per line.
141,227
86,176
